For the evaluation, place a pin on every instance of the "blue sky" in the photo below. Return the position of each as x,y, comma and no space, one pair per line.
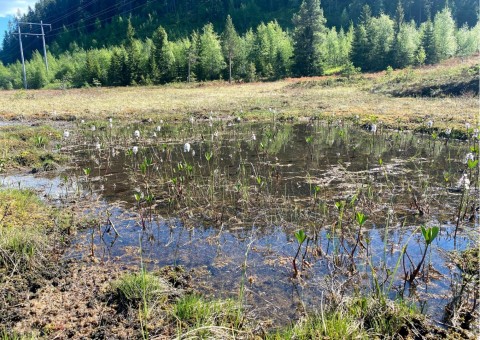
8,8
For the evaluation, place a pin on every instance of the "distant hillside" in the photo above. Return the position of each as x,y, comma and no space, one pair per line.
102,23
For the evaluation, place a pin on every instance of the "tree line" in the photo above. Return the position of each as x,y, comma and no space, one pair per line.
97,24
267,52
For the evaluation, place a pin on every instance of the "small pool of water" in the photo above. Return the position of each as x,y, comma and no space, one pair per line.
225,200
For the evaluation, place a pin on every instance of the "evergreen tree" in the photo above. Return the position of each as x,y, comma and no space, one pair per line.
381,40
428,42
163,59
192,55
444,34
230,45
211,61
360,47
308,35
133,57
361,44
406,45
118,72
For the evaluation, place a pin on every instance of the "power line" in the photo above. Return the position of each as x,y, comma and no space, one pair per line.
97,14
66,15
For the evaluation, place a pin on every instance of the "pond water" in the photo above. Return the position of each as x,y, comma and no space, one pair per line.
226,198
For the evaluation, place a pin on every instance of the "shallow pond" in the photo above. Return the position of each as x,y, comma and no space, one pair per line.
226,198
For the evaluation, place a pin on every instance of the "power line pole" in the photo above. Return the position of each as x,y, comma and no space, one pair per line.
23,60
44,46
41,24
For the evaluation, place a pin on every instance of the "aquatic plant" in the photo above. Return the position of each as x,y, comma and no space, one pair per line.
300,236
429,234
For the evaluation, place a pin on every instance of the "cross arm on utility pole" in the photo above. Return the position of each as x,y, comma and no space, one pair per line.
41,24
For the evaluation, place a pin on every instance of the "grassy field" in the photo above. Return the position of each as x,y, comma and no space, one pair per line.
371,96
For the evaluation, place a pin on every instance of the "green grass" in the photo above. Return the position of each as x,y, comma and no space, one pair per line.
29,147
202,318
24,221
359,318
133,289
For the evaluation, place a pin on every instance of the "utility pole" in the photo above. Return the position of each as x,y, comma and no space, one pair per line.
44,46
23,60
41,24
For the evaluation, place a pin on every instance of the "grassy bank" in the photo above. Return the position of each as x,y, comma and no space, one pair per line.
371,96
32,147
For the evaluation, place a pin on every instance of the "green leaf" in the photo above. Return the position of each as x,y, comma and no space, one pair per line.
430,234
472,164
361,218
300,236
434,233
138,196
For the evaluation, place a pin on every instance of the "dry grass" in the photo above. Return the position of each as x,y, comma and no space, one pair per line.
179,101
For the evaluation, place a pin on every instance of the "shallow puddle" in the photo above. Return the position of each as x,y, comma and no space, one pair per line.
225,199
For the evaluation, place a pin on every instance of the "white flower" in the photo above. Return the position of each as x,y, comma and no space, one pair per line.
357,117
192,120
82,121
448,131
373,128
154,135
238,119
193,153
110,125
467,126
215,134
158,128
254,137
161,121
469,156
429,124
98,146
93,128
136,134
110,120
135,150
66,134
186,147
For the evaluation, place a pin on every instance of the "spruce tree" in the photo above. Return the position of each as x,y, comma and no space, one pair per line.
230,45
428,43
308,35
163,57
133,56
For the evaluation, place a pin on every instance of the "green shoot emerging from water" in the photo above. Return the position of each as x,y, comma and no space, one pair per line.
301,237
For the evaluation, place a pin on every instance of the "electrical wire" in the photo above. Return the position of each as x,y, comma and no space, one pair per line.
106,10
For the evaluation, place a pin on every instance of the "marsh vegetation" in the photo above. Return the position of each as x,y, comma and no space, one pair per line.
337,223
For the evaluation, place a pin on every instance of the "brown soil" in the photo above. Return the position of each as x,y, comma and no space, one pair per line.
71,302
